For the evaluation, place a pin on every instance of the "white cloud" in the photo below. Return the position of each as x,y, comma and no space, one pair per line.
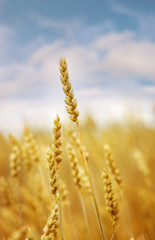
149,90
112,40
35,112
119,55
132,58
32,88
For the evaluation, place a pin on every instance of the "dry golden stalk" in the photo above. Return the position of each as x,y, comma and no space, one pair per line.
141,162
5,228
29,235
116,175
81,181
15,161
111,202
31,146
74,138
74,165
10,216
26,157
70,101
91,184
74,113
30,207
50,230
84,181
4,190
15,157
76,142
111,164
79,176
29,200
29,214
63,193
146,200
38,187
19,234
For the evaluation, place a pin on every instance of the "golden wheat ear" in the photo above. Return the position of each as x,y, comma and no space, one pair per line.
54,158
4,192
52,174
111,164
71,102
31,145
19,234
56,146
50,229
110,200
74,166
15,157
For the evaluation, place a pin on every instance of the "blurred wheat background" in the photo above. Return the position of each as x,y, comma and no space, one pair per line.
77,122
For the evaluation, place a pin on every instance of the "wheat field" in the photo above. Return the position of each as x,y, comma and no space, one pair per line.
80,181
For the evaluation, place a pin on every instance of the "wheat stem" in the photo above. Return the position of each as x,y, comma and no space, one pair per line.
143,232
60,213
94,198
19,203
73,225
115,234
128,214
85,216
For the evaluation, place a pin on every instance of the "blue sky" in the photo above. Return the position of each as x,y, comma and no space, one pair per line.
109,47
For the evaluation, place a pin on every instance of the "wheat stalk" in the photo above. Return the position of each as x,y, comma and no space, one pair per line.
71,108
81,181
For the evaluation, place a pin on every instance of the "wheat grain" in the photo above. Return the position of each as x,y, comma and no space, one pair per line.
15,158
70,101
111,202
112,166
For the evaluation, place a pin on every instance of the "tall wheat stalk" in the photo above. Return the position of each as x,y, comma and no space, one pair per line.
81,181
71,108
85,216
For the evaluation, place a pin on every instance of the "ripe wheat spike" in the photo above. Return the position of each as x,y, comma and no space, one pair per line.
31,145
70,101
15,158
79,176
111,202
56,146
111,164
52,165
50,230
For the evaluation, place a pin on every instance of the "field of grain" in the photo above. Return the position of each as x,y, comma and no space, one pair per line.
80,181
